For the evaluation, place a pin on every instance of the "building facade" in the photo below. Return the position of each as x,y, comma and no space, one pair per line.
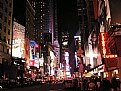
6,10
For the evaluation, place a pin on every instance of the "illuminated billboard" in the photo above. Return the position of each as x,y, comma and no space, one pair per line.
18,41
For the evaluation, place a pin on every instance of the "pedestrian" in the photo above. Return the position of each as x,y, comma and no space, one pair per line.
107,84
114,83
91,86
100,86
75,84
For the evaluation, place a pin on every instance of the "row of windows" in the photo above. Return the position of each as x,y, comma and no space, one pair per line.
4,49
1,14
1,4
4,29
4,39
5,19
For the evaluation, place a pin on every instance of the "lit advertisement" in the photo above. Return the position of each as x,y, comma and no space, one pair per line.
27,51
34,60
18,49
67,62
103,37
32,49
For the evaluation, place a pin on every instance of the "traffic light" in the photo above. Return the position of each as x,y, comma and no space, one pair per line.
37,47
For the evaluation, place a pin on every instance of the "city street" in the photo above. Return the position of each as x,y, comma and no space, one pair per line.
43,87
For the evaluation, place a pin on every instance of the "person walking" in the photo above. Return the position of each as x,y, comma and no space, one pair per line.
75,84
100,86
107,84
114,84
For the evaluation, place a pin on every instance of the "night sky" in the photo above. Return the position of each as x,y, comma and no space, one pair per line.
67,15
68,21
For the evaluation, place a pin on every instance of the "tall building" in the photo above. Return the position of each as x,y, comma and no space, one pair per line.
6,10
41,19
24,15
83,20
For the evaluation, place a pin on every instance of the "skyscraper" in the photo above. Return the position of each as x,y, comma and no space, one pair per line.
6,10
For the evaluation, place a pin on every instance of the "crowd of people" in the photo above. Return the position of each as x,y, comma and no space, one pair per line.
99,84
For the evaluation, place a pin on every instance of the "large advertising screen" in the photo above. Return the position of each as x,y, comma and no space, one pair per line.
18,40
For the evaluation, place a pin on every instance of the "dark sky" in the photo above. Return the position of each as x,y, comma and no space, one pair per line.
67,15
68,21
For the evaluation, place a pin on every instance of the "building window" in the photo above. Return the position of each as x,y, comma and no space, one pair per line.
7,51
0,26
1,5
5,29
9,13
10,5
8,41
5,19
0,37
6,1
8,31
9,22
4,39
1,15
3,48
6,10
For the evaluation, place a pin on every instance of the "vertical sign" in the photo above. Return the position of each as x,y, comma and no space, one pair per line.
103,37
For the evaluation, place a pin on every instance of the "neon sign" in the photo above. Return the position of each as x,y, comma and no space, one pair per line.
103,46
103,43
111,56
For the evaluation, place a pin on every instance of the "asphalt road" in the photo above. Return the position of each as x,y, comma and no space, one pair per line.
43,87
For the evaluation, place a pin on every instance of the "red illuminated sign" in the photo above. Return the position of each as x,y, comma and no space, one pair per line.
111,56
103,43
103,38
31,63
